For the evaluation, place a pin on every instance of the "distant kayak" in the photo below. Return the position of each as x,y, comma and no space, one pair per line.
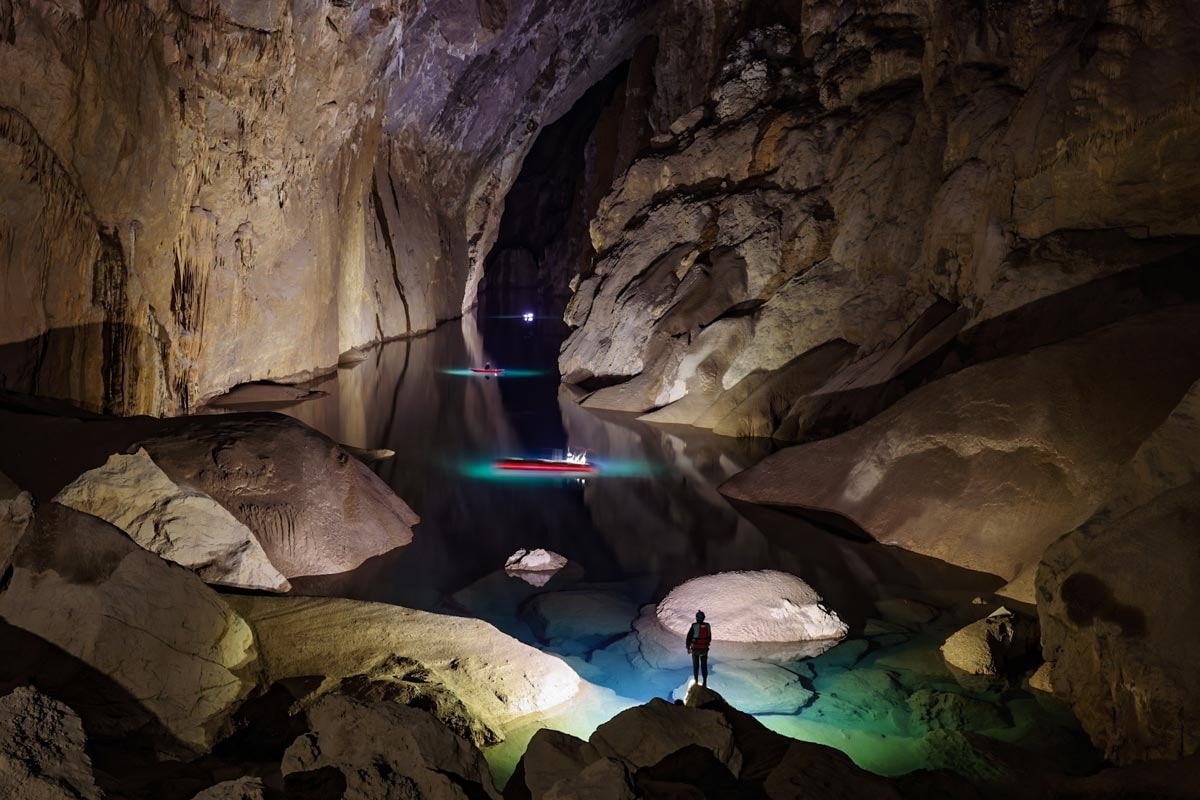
545,465
487,370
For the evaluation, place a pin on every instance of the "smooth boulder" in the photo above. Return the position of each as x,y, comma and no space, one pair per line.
314,508
181,525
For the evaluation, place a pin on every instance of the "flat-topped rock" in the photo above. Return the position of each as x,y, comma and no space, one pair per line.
181,525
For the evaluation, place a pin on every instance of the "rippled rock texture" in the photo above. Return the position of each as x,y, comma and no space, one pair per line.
197,194
839,192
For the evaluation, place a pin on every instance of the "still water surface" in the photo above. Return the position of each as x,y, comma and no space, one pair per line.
631,537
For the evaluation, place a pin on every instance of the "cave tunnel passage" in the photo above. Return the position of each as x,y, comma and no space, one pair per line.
543,240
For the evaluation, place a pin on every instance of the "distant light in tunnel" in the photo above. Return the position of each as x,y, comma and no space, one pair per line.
507,373
527,316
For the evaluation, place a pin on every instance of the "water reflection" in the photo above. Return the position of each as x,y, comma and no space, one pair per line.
629,540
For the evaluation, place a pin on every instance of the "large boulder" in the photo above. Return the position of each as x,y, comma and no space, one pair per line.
43,752
497,678
387,750
1116,601
989,645
181,525
753,614
135,644
701,748
986,467
313,507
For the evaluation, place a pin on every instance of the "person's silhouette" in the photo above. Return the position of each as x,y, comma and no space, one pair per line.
698,640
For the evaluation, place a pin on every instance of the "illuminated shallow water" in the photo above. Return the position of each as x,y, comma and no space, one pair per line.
651,520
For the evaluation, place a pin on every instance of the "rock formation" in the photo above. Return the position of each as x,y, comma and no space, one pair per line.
387,750
835,194
761,614
704,748
42,750
989,646
315,509
209,193
1114,599
1007,455
495,677
536,567
16,510
183,526
112,614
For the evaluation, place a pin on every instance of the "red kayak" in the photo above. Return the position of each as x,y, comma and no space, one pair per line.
545,465
487,370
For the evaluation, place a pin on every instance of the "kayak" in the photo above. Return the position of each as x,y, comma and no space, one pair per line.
487,370
545,465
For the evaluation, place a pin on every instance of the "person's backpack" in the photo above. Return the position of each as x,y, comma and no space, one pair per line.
701,636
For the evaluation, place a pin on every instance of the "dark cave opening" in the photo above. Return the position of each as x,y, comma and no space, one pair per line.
543,241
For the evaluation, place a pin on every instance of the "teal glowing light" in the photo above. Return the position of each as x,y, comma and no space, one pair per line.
508,373
485,469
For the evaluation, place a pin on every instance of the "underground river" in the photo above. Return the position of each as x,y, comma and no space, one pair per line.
884,696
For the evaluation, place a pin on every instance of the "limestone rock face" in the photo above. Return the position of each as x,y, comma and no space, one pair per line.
210,193
186,527
84,587
824,173
1115,599
42,755
314,508
497,678
386,750
986,646
536,567
644,735
1007,455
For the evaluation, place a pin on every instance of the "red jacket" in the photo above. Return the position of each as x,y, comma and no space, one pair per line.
699,637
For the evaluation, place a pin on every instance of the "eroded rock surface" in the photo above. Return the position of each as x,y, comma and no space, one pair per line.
386,750
314,508
115,613
213,193
1115,601
16,510
497,678
990,645
888,180
1007,455
183,526
42,750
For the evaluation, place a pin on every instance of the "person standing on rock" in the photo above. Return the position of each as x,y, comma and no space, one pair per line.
698,639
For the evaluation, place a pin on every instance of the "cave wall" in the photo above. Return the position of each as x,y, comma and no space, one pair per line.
880,176
198,193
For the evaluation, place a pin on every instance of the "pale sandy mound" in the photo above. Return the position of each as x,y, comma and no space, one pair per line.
762,606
